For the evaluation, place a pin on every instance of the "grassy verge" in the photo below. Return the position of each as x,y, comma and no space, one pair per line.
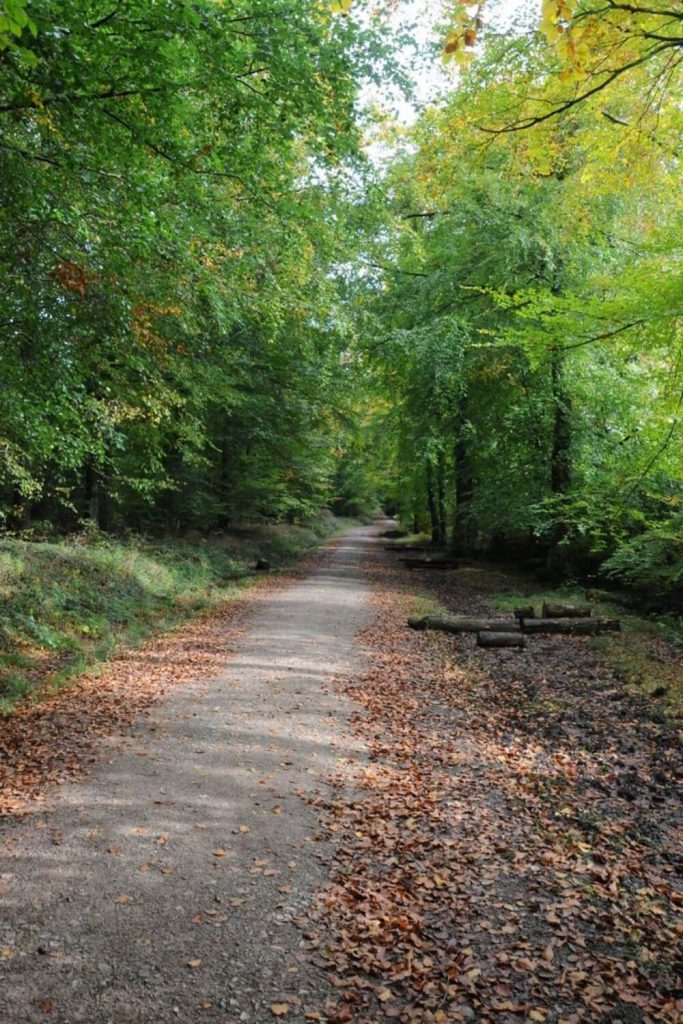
646,655
69,603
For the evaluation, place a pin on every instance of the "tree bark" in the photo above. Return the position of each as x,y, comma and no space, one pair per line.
455,624
558,610
572,627
433,506
501,640
560,458
464,484
441,497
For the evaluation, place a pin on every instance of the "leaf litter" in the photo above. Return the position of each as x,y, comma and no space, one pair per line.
62,737
509,852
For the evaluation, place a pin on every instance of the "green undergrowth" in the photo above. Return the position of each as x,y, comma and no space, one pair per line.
646,655
421,605
67,603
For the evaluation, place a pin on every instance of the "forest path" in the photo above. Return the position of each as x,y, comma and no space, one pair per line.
166,886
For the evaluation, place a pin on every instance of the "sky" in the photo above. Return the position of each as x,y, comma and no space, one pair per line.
431,76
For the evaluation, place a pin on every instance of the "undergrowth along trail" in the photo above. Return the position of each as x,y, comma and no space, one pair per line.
66,604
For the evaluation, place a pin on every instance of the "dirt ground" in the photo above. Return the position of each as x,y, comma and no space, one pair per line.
166,886
304,810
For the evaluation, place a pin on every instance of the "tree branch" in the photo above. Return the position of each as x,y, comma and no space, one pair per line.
530,122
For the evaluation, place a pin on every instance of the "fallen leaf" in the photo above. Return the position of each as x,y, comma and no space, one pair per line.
194,963
122,899
279,1009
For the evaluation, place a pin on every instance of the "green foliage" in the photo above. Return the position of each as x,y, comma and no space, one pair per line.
64,604
524,316
213,312
653,561
175,182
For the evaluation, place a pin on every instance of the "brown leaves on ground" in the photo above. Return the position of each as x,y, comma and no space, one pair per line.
58,739
508,853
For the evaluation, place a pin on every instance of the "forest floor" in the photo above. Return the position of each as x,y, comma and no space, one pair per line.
323,815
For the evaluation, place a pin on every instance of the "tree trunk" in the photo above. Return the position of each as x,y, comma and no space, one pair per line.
433,507
464,484
560,459
441,498
90,487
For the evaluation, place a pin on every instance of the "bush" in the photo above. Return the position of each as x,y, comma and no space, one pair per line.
653,561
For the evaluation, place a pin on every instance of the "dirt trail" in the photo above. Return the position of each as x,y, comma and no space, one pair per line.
166,887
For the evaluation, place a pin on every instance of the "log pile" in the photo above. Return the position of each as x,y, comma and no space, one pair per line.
558,619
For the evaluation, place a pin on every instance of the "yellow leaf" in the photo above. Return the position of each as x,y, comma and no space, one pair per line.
194,963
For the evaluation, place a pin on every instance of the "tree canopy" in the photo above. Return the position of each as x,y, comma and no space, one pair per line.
216,307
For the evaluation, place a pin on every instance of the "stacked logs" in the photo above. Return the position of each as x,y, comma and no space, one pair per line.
556,618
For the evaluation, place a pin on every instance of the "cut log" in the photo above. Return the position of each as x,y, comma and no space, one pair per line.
429,563
409,547
486,639
457,624
610,596
574,627
557,610
525,613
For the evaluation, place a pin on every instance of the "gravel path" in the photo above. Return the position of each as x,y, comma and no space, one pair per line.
167,886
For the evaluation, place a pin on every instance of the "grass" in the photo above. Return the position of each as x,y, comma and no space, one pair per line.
423,605
646,655
72,602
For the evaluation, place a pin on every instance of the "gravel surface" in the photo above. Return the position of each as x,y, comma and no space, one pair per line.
167,886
